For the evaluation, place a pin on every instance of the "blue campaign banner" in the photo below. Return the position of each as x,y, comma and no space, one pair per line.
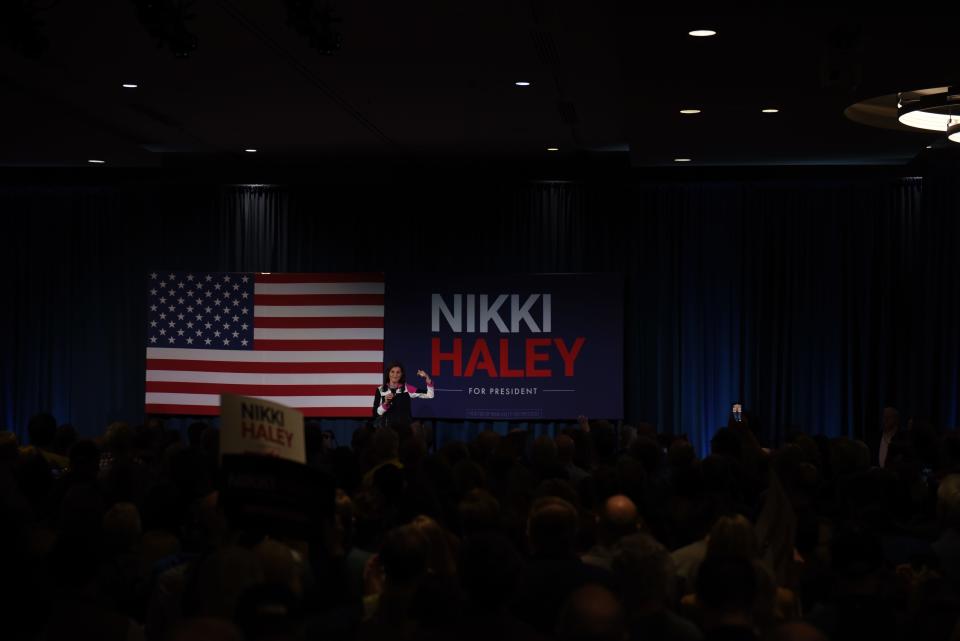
521,346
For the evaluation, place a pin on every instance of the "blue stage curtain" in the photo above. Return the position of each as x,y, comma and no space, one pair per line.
814,302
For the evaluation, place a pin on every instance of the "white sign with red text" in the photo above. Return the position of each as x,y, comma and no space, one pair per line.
255,426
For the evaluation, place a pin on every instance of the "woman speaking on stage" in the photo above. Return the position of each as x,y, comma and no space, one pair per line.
391,403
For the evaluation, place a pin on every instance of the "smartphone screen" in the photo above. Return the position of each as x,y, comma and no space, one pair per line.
737,410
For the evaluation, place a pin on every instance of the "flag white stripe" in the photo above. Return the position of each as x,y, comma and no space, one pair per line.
317,311
316,333
229,378
318,288
166,398
266,356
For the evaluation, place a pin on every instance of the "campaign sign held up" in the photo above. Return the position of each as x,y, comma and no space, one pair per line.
265,485
255,426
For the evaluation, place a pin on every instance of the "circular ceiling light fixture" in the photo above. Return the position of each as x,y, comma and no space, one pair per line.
770,111
702,33
934,109
689,111
522,83
682,159
953,132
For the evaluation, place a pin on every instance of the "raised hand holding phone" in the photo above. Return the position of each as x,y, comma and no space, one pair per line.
737,410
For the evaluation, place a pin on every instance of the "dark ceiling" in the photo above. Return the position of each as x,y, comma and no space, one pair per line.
436,80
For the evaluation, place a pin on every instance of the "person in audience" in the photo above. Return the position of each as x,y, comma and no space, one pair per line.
592,613
567,456
735,537
207,629
863,603
64,440
42,432
544,460
727,597
479,511
441,559
797,631
384,450
947,546
645,575
489,568
392,578
889,431
618,518
554,570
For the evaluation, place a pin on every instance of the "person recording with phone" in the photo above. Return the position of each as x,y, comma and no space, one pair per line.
741,420
391,403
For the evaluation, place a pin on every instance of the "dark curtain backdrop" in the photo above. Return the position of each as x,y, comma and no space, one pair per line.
814,302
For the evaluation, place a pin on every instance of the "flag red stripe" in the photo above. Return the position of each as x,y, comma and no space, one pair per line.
320,278
240,367
296,322
318,299
260,390
358,344
214,410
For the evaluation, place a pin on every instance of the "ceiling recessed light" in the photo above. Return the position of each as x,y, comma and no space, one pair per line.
770,111
129,85
689,111
703,33
553,148
250,151
522,83
681,160
929,146
96,162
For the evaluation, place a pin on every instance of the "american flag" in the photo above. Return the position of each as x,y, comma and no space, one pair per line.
309,341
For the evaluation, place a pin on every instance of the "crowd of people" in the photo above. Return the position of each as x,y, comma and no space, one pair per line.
597,532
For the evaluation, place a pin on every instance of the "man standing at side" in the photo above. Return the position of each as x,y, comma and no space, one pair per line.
891,425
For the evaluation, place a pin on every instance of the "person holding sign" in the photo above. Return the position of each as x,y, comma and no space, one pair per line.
391,403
